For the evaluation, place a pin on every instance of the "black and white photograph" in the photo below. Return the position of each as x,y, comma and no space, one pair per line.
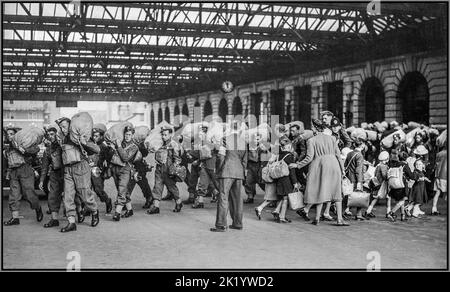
224,136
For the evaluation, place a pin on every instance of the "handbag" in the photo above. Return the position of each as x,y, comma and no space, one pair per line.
296,200
270,192
265,175
382,191
279,168
205,152
358,200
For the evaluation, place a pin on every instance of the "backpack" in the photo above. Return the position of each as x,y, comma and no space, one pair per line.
395,178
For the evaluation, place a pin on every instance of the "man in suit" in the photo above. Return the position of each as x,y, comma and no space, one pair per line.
232,163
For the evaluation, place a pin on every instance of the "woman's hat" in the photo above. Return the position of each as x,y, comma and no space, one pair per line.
420,150
383,156
100,128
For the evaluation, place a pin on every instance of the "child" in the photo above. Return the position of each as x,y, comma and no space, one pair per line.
381,184
418,191
285,184
398,188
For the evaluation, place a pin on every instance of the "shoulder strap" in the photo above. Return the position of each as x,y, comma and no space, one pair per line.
349,162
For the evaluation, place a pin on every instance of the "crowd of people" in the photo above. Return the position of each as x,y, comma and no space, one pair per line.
326,165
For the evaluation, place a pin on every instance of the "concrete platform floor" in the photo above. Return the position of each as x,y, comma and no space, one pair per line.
183,240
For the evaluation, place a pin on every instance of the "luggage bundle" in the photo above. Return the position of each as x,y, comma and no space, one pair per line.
141,133
116,131
81,126
154,141
359,133
388,141
29,137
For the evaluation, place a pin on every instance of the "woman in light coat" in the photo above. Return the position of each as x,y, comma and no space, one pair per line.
324,181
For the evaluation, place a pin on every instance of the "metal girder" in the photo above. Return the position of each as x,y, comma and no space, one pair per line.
75,96
170,29
116,61
105,47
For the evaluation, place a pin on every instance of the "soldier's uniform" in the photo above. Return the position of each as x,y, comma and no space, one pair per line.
192,175
21,182
168,154
52,167
142,168
207,173
122,168
98,182
77,178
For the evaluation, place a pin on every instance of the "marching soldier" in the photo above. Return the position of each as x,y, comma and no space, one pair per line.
207,168
124,155
99,160
168,154
142,168
77,176
21,176
52,167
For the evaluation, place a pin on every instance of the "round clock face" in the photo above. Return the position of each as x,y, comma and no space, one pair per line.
227,86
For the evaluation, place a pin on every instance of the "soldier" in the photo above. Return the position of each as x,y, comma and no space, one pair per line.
169,153
255,149
52,167
124,155
142,168
191,156
77,176
21,176
100,160
207,168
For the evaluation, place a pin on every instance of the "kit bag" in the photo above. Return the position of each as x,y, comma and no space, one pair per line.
279,168
29,137
81,126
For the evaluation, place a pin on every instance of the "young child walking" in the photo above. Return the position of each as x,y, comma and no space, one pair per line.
380,184
419,190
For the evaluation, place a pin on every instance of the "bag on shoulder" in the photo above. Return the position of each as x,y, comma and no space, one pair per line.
265,175
279,168
347,186
395,178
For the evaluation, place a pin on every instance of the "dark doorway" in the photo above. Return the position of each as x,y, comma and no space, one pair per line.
372,98
167,114
302,103
255,105
415,98
207,111
185,110
223,109
277,98
237,106
334,91
152,119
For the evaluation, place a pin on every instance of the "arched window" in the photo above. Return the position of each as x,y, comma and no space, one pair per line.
237,106
415,98
372,99
160,115
207,111
167,114
152,119
223,109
